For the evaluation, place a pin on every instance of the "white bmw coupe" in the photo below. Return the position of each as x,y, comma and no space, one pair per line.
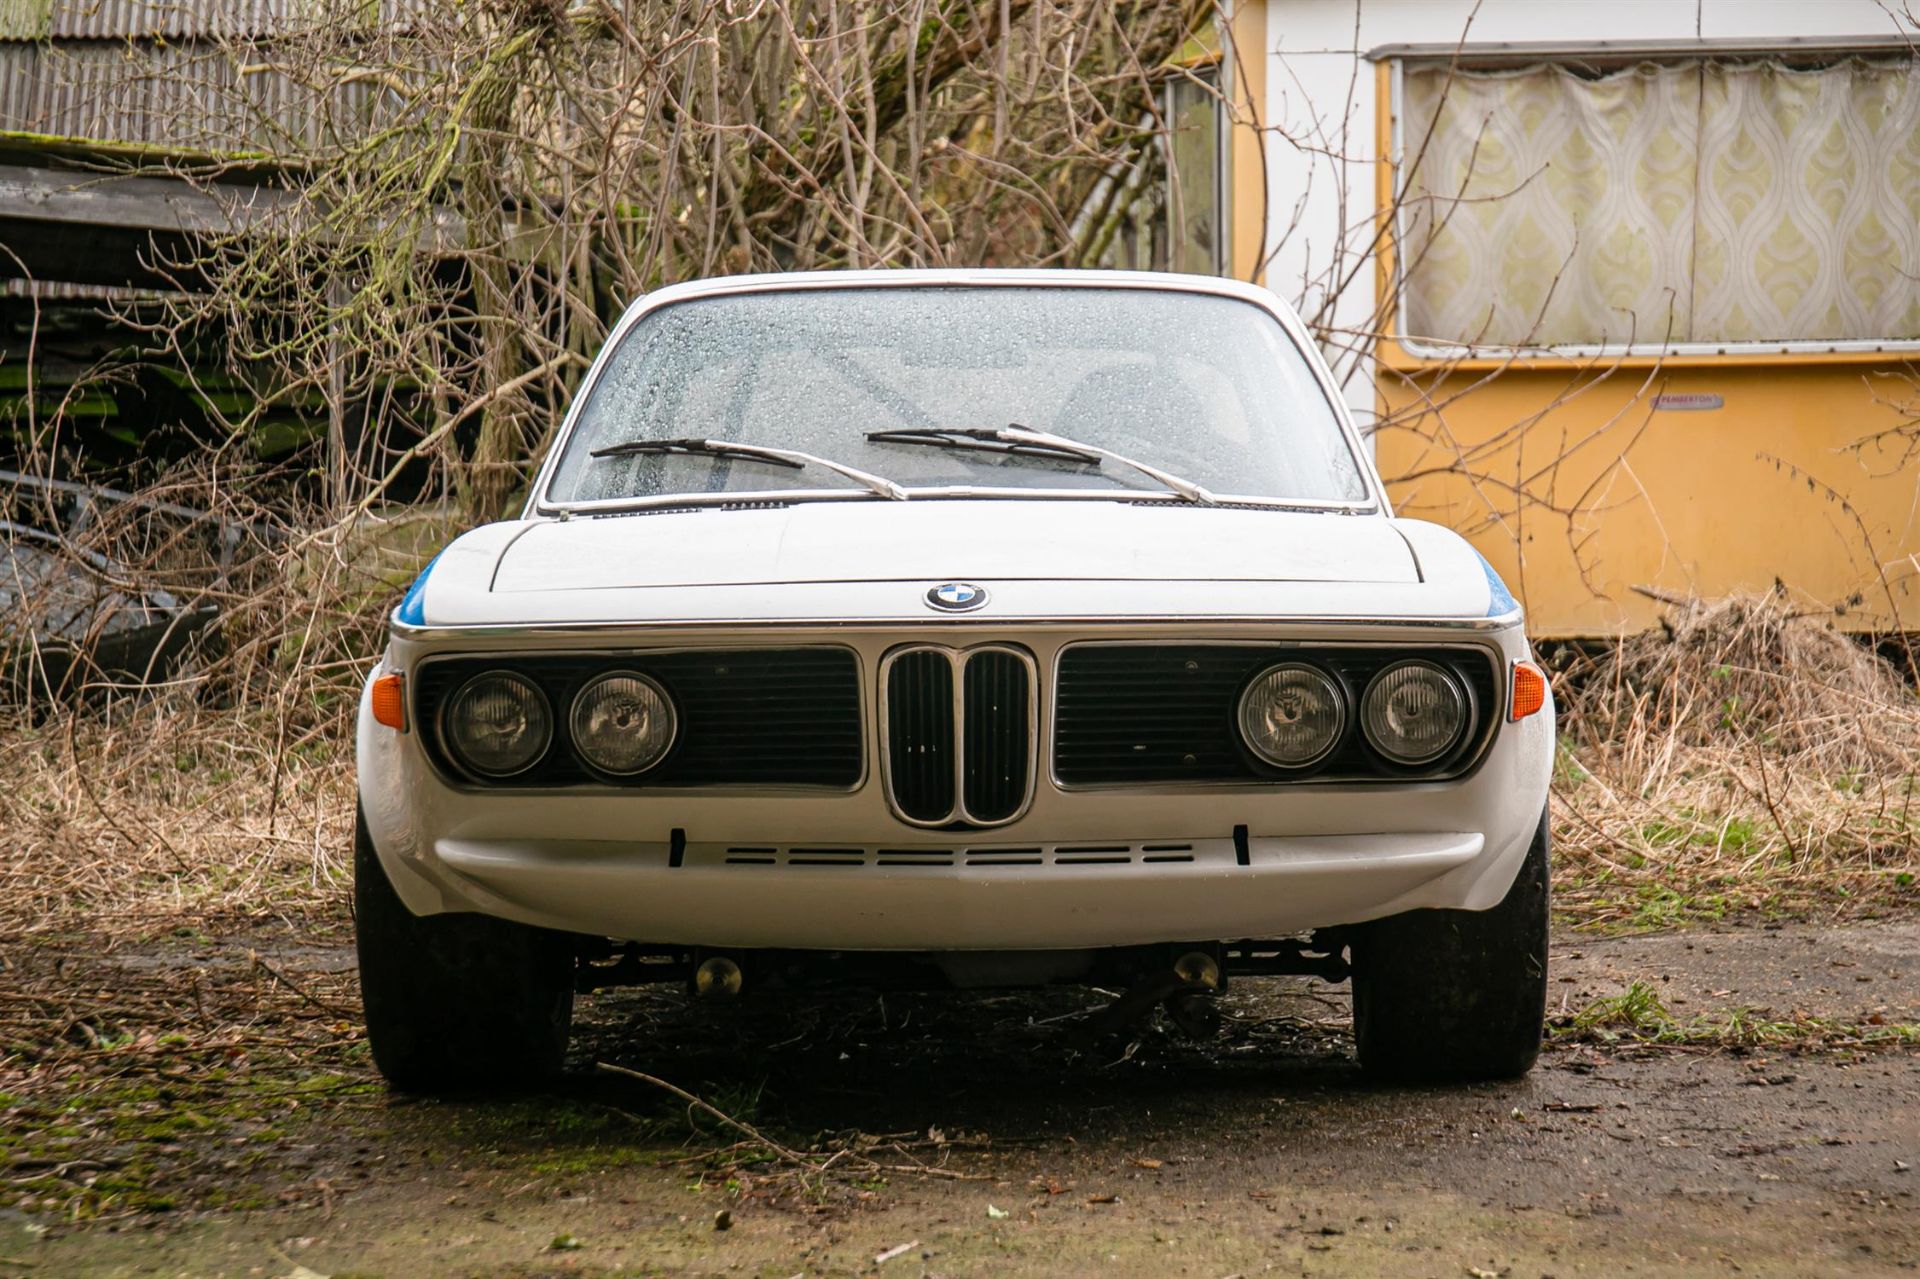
960,628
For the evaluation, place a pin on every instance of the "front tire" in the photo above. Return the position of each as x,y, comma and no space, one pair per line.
1456,994
459,1000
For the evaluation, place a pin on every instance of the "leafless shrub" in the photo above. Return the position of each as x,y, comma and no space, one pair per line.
1748,673
1740,756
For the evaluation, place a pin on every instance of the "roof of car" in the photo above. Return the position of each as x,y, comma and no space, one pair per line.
961,277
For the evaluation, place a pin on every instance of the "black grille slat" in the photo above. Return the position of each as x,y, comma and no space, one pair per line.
786,717
1164,713
998,709
920,732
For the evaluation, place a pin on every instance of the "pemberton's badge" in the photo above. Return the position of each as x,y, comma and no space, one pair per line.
957,597
1688,402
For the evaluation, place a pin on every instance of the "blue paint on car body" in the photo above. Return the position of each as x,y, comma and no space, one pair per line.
1500,600
413,605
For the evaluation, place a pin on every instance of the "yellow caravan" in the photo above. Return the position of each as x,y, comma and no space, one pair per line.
1630,292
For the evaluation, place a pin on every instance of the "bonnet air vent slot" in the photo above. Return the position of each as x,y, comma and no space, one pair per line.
644,510
1005,857
916,857
933,856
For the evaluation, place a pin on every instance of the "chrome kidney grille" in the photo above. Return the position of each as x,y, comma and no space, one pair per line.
959,728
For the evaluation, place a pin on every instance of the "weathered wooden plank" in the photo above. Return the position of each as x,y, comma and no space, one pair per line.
136,202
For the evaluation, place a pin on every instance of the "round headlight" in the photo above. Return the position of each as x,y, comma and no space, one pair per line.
1292,715
622,723
1414,712
497,724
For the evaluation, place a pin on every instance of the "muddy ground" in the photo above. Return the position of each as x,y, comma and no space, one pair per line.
201,1105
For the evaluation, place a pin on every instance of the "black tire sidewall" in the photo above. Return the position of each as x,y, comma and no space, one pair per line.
1457,994
456,1000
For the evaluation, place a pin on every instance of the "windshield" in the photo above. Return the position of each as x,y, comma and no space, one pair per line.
1208,388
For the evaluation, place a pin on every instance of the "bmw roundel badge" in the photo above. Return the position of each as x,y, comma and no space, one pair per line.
957,597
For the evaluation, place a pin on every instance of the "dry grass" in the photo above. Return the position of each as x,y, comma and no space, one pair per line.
123,820
1742,758
230,789
1749,672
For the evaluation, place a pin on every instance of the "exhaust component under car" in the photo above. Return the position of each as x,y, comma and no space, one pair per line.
717,977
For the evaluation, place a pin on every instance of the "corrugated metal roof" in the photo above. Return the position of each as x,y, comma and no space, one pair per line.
191,76
186,97
141,19
179,19
24,19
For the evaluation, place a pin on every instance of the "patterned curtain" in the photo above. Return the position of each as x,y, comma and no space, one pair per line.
1697,202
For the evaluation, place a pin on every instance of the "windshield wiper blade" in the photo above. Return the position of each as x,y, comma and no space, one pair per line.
791,458
983,439
708,448
1024,440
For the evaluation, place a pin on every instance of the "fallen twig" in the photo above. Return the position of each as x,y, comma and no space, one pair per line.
748,1130
794,1157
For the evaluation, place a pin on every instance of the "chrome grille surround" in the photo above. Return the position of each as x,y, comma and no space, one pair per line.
914,732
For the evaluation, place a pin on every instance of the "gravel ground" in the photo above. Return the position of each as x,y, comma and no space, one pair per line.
220,1083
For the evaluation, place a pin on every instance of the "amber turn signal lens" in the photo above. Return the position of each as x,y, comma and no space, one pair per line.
1529,690
390,702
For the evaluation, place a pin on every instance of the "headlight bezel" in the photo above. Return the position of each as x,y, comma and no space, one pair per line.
577,701
450,742
1343,725
1463,730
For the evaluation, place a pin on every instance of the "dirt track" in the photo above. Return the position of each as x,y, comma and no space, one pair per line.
1260,1154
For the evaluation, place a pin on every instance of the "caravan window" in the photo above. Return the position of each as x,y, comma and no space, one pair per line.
1660,205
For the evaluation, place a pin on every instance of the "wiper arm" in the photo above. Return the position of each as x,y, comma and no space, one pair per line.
1020,439
981,439
1187,489
791,458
